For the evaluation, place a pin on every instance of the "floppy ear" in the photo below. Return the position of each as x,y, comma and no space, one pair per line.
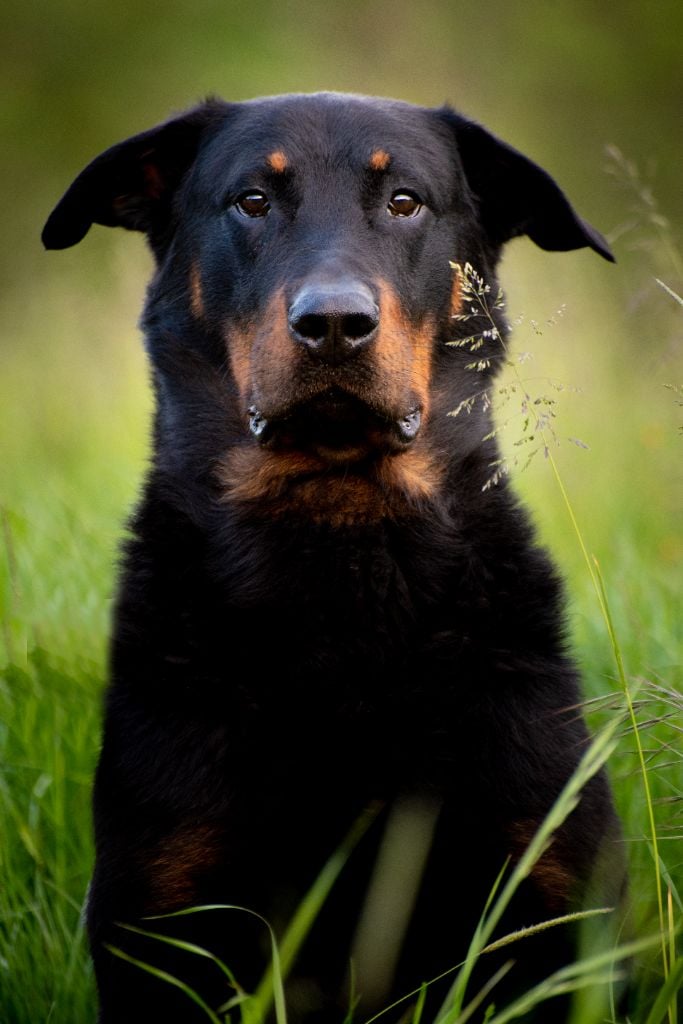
132,184
516,196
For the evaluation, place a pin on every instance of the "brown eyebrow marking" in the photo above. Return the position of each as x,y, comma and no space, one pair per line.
379,160
277,161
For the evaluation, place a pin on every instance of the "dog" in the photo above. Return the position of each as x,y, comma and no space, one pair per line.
325,616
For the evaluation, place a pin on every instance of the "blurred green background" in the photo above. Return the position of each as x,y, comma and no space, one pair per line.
562,80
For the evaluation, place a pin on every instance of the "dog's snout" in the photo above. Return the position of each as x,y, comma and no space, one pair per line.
334,320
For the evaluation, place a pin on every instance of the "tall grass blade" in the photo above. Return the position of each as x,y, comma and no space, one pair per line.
169,978
187,947
672,293
666,997
673,1015
542,926
484,992
420,1004
256,1009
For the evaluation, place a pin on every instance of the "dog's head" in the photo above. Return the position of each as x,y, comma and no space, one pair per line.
300,317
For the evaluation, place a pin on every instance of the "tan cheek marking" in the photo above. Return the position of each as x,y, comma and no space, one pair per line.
277,161
261,354
274,354
196,293
421,369
174,869
391,353
240,344
456,293
379,160
403,353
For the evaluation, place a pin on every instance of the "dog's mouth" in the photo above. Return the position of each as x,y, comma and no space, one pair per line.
336,426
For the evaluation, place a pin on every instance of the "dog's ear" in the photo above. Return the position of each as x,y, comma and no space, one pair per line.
132,184
516,196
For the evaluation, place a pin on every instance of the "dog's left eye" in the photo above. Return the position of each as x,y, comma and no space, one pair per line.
253,204
404,204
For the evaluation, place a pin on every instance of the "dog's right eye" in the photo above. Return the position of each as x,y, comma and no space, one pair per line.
253,204
404,203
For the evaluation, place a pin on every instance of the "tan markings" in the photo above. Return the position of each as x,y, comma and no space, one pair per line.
274,355
174,869
253,474
456,292
261,355
555,881
379,160
552,875
286,482
296,482
402,354
277,161
196,293
421,368
414,473
239,346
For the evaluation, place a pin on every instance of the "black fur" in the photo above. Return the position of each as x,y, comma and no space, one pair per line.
321,611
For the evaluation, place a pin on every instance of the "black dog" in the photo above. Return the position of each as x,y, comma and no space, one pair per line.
322,609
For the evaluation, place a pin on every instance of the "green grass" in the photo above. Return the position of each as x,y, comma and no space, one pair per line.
74,437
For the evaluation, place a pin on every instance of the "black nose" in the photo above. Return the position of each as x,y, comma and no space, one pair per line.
334,320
